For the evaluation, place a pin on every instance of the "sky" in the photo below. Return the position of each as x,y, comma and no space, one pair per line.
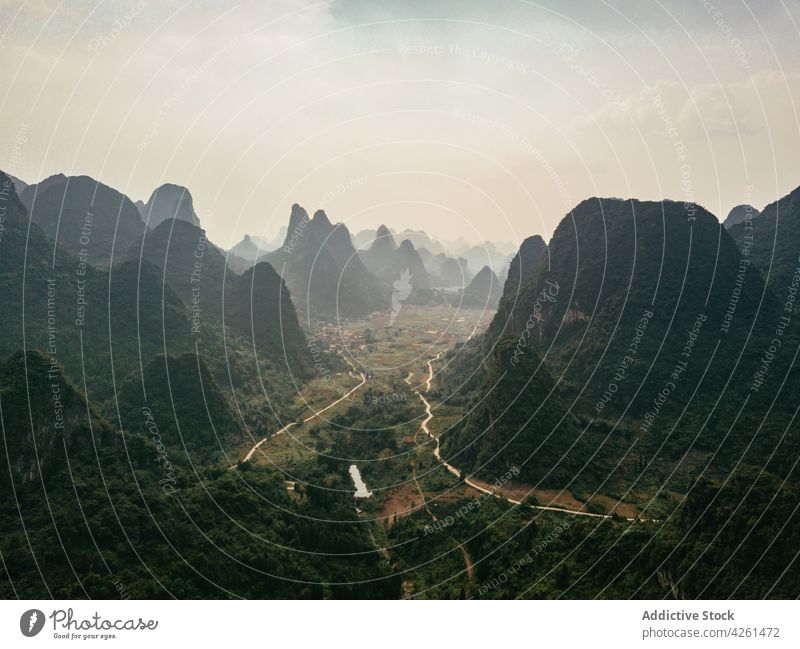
482,120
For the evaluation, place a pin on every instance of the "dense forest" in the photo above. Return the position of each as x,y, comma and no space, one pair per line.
623,372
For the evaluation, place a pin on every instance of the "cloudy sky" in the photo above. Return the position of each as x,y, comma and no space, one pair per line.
475,119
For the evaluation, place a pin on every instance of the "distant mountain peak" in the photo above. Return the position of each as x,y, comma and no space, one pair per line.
484,274
169,201
321,267
453,272
739,214
248,250
297,218
407,246
321,218
384,241
483,291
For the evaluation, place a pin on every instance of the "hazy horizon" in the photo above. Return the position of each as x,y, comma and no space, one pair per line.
489,122
604,412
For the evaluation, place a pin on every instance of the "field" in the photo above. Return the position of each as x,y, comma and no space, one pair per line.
367,408
364,408
376,426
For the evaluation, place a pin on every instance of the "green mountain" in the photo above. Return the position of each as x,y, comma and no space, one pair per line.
652,273
152,512
772,239
255,307
638,361
259,308
179,396
188,262
644,313
40,188
138,506
519,421
84,216
740,214
83,317
325,275
45,418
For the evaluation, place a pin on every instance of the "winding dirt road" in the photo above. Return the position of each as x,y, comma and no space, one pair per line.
437,450
307,419
472,483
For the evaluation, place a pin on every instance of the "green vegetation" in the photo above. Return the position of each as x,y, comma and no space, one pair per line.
88,218
127,420
771,238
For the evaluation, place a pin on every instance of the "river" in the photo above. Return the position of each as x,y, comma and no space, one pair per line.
361,488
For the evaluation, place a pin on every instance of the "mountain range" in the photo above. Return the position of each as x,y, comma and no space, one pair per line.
84,217
654,331
325,275
645,355
387,261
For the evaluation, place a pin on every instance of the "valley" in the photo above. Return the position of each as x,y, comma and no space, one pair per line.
392,372
386,302
332,427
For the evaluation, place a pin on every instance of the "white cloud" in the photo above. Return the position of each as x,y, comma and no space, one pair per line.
766,100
